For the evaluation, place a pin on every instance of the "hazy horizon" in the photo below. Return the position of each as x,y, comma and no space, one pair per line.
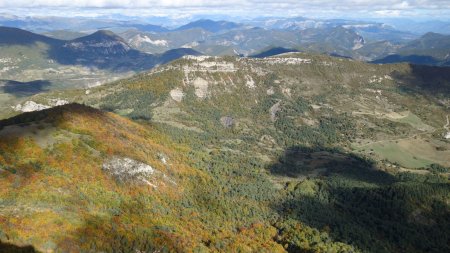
423,10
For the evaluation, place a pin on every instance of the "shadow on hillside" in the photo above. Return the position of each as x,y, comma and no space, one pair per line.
24,89
11,248
361,205
97,50
112,56
53,115
430,79
413,59
11,36
302,162
102,58
132,60
274,51
173,54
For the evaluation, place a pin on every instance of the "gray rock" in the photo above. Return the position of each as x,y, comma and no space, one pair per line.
227,121
273,111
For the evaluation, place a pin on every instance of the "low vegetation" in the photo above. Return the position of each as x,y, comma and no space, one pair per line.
274,158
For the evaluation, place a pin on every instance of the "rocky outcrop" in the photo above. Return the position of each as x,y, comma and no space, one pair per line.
127,170
273,111
227,121
177,94
31,106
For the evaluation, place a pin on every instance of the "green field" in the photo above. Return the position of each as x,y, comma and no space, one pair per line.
395,153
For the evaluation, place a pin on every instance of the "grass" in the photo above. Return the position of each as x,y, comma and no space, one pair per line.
395,153
415,122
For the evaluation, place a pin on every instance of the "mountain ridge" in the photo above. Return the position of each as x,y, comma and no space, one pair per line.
209,25
11,35
229,153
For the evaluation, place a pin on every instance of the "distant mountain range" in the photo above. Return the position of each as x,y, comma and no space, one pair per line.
361,41
102,49
39,63
105,56
210,25
78,58
132,137
381,41
430,49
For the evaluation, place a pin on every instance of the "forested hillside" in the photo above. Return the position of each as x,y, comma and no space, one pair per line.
297,153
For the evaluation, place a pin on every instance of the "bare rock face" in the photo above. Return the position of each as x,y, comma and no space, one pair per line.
201,87
273,111
447,135
139,40
227,121
126,170
177,94
31,106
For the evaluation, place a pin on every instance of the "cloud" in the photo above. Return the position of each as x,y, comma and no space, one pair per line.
339,4
250,7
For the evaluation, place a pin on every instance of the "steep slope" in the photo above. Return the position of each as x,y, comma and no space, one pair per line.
75,179
146,42
374,50
246,40
338,36
63,193
15,36
436,44
101,42
294,99
27,56
32,63
102,49
381,32
430,49
313,148
160,42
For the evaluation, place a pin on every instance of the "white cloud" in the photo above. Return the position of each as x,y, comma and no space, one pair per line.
248,7
341,4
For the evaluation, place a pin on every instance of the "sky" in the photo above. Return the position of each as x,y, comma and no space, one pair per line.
420,9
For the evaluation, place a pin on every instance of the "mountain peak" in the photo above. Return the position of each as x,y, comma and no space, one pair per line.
209,25
101,42
105,32
102,35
